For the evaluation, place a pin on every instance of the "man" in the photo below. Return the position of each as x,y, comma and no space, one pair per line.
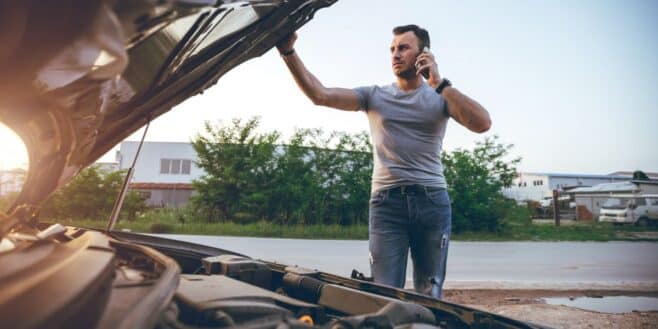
409,205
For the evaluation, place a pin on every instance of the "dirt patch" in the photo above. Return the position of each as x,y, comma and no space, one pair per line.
528,305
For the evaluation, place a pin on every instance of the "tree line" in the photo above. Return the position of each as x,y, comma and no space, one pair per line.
313,178
309,178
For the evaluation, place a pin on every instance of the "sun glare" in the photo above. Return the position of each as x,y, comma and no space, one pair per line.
14,154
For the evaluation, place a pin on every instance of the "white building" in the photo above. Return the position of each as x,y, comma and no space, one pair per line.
164,170
12,180
537,186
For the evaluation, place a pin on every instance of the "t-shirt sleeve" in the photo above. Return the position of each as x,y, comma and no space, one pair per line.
364,94
444,106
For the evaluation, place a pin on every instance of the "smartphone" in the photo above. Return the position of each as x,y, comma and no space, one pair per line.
425,72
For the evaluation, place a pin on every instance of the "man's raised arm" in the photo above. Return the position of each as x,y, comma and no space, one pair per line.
339,98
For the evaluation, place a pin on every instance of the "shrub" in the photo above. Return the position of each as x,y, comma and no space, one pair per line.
161,228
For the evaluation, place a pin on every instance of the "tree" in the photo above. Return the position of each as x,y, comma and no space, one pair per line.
640,175
250,176
238,163
347,170
475,180
91,195
6,200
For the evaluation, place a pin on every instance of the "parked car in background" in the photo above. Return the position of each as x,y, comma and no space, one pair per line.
563,201
631,209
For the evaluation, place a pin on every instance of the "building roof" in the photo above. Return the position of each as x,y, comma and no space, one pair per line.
565,175
648,182
653,175
607,188
161,186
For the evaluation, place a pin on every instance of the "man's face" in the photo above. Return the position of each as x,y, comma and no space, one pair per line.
404,50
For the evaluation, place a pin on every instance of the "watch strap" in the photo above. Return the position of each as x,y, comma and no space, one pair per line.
443,85
288,53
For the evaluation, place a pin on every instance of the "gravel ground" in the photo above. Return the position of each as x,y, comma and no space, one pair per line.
528,305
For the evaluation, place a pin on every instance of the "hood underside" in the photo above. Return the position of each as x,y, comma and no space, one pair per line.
77,76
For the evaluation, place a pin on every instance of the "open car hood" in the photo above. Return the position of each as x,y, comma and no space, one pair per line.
79,76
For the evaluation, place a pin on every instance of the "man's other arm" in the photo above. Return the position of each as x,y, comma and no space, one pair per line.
462,108
339,98
466,111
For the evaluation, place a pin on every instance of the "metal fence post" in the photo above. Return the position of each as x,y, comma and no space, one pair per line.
556,209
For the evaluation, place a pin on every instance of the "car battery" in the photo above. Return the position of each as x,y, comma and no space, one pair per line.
239,268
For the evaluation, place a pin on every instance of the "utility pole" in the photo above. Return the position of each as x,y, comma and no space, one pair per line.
556,209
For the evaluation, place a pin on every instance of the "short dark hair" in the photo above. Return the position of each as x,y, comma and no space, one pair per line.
421,33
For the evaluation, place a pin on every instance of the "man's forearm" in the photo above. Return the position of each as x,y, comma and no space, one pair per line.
307,82
338,98
466,111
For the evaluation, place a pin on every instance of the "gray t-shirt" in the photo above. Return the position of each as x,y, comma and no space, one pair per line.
407,130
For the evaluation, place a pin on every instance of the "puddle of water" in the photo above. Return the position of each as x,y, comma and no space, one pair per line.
610,304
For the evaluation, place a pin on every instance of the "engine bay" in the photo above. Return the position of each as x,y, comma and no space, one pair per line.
237,291
73,277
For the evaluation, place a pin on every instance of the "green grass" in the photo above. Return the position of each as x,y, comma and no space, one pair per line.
541,232
257,229
517,227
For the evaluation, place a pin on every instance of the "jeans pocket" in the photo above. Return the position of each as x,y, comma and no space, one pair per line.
377,198
439,197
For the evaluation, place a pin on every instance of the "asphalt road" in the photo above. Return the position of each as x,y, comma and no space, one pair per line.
552,265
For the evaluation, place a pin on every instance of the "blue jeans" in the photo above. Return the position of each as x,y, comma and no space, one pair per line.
416,219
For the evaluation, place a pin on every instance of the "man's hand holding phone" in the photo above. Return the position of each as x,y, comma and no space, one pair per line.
426,65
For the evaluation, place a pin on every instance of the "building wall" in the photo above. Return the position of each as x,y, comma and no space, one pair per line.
11,181
557,182
528,187
148,168
648,188
166,198
536,186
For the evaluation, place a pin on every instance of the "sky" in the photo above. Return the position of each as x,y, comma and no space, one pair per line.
571,84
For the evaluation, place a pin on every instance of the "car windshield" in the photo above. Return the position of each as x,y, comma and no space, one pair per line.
616,203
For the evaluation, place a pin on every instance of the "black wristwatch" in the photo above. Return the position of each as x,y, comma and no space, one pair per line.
445,83
288,53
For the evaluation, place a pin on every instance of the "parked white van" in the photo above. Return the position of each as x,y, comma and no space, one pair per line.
639,209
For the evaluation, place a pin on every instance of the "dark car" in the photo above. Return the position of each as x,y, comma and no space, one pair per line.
76,78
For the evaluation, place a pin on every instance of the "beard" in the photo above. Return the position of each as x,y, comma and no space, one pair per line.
407,74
